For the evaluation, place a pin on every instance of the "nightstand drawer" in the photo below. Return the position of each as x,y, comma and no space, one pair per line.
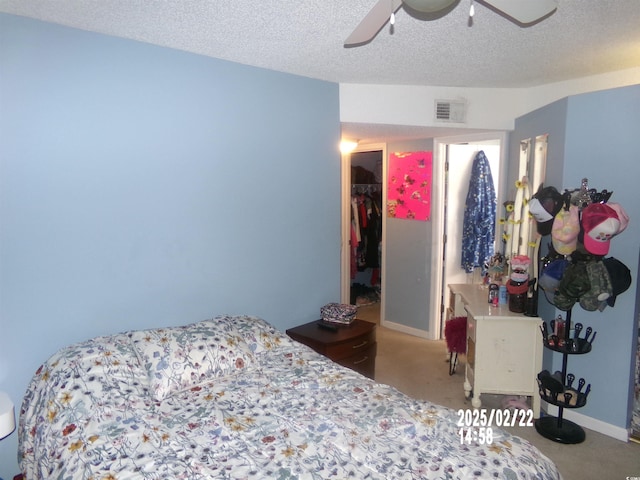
363,362
353,347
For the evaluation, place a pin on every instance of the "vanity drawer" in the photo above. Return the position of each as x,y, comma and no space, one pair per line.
471,327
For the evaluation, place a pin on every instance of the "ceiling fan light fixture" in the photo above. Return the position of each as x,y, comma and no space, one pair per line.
428,6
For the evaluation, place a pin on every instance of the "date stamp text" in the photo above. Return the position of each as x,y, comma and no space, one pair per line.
482,417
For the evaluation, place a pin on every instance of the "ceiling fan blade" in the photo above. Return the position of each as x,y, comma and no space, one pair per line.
523,11
371,24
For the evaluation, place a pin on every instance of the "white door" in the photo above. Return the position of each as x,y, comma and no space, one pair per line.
450,192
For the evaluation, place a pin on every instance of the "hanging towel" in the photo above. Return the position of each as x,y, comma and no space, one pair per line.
478,230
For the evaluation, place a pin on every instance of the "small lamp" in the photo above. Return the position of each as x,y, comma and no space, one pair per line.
7,416
348,145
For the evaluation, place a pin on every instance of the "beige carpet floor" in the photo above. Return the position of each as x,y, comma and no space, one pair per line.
420,369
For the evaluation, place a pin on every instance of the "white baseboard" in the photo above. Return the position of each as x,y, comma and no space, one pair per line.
416,332
594,424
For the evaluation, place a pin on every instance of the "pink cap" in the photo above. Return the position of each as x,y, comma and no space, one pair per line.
622,216
600,222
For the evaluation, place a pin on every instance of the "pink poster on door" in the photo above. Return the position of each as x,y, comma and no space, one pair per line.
409,185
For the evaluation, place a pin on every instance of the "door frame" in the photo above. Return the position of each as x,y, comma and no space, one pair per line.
345,254
438,304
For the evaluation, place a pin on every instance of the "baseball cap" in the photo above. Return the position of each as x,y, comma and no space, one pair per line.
520,268
544,206
622,216
600,222
620,277
565,230
601,288
551,276
574,284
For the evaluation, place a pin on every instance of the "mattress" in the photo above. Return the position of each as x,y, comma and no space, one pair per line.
234,398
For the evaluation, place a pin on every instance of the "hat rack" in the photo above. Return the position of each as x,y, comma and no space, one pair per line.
580,266
559,389
583,196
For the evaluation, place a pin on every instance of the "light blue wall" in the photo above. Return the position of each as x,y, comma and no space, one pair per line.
142,186
594,135
602,145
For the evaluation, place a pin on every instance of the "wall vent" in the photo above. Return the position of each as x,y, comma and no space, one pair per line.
451,111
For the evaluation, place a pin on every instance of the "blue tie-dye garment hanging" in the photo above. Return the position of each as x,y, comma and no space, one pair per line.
478,230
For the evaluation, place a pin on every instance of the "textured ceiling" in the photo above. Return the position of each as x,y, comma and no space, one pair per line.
305,37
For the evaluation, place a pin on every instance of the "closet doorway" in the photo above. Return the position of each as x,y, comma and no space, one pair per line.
460,159
363,215
453,159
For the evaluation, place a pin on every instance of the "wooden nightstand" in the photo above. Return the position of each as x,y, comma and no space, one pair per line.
353,346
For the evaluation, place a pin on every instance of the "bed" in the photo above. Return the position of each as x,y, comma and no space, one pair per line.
234,398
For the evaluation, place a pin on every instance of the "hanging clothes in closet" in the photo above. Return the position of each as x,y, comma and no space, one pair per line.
478,230
366,231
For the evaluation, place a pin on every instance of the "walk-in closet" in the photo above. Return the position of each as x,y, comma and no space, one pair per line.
366,227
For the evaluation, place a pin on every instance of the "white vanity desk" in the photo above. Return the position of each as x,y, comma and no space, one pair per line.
504,349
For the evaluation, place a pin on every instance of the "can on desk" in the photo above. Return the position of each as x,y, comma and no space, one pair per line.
503,296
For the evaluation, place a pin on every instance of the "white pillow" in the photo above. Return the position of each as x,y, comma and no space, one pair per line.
179,358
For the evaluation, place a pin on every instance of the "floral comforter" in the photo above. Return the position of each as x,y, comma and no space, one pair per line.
158,404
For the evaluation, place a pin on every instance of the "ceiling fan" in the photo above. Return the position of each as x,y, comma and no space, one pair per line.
523,12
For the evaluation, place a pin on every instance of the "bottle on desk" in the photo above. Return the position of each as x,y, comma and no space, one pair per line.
493,294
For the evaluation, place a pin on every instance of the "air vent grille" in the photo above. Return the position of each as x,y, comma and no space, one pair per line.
451,111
